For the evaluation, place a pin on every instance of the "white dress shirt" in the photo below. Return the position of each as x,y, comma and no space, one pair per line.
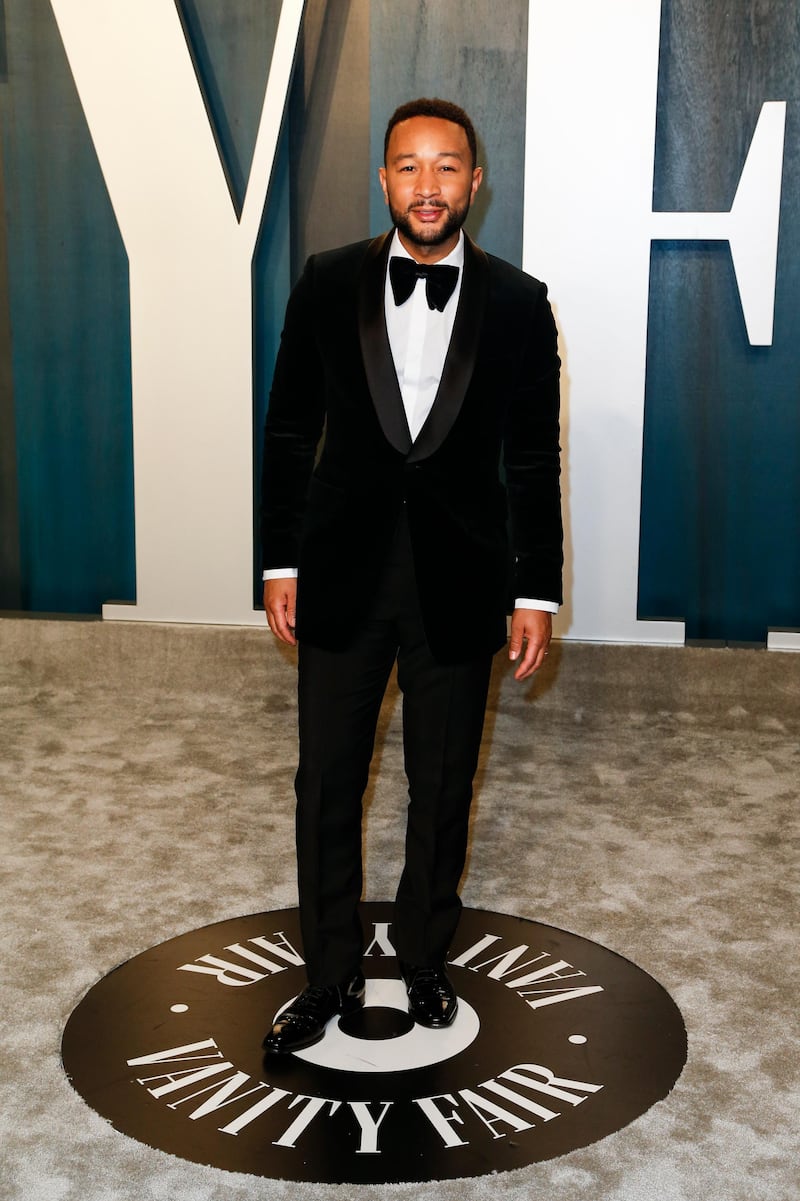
419,338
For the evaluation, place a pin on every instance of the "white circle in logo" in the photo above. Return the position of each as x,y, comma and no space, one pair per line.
419,1048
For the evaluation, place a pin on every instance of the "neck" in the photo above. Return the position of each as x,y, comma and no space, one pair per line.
428,254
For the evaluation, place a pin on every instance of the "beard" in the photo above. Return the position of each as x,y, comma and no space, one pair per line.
433,235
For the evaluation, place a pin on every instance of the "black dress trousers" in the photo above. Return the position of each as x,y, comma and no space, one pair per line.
340,694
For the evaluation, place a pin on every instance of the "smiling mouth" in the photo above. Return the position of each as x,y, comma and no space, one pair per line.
427,212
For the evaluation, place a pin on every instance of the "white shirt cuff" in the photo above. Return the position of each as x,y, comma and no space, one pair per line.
279,573
525,602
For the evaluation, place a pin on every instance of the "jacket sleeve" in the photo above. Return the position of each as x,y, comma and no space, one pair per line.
531,456
292,430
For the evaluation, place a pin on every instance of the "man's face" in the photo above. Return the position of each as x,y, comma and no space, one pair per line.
429,183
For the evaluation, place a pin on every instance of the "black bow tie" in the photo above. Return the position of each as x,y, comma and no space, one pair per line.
440,281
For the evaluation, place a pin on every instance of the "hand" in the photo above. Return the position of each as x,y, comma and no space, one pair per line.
534,627
280,599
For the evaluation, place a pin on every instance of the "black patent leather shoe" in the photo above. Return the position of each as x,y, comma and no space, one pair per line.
432,1000
304,1022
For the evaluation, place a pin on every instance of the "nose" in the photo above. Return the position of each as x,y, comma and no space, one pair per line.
427,182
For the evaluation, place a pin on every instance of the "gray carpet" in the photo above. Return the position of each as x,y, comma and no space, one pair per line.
645,798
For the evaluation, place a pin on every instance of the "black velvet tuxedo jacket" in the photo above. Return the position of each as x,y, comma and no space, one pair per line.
481,533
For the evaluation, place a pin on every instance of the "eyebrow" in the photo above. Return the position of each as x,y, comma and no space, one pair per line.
439,154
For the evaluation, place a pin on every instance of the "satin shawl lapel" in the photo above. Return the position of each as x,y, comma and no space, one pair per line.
375,349
461,355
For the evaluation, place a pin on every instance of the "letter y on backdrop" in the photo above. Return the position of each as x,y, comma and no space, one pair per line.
191,298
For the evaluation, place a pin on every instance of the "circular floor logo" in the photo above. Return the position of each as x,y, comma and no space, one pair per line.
557,1043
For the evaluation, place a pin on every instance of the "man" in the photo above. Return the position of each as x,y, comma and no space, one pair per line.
423,380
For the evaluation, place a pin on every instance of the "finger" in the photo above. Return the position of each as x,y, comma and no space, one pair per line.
532,660
280,626
527,665
515,638
278,620
519,635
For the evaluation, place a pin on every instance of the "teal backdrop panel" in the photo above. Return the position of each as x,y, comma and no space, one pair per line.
10,582
271,286
231,47
476,55
67,281
720,533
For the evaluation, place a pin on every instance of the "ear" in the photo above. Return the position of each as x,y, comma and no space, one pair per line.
382,178
477,179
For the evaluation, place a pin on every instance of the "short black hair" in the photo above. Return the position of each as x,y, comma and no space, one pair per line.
445,110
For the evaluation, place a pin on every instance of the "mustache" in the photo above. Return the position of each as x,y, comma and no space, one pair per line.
428,204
